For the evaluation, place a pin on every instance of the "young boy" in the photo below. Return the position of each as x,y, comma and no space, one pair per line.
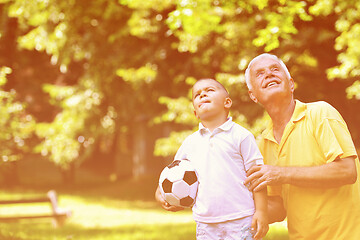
221,152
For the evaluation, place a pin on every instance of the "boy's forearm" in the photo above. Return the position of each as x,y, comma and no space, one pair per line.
260,199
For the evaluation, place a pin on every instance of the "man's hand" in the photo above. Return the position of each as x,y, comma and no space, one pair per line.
165,205
259,176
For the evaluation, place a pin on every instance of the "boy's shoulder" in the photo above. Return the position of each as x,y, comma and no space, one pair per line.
235,130
192,136
240,129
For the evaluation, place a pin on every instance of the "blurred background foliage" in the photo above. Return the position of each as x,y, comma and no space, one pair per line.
105,84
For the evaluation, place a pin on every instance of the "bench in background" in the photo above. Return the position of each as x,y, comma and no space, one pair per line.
57,215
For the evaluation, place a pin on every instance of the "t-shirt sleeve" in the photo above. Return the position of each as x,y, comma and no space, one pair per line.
250,152
333,135
181,153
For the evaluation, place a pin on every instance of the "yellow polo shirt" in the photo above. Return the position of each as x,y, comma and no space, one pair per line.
315,135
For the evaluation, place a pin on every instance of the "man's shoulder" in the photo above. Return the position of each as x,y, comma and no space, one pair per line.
321,109
318,105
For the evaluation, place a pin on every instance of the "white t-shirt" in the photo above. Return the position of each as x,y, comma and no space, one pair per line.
221,159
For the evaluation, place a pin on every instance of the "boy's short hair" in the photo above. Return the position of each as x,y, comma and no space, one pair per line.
219,83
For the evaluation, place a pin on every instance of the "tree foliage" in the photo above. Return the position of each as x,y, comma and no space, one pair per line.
94,70
317,40
17,127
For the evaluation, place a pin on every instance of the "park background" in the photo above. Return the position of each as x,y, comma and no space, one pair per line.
95,97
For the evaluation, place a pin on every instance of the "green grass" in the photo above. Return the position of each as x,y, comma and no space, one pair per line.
122,210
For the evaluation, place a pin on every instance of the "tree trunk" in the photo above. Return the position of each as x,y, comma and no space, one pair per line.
68,175
9,172
123,157
139,150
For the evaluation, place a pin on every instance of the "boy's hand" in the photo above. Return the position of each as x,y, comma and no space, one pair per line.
259,225
165,205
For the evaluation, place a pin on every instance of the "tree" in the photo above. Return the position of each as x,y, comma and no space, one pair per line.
114,76
17,128
316,39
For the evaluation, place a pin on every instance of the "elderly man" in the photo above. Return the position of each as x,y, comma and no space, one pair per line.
311,165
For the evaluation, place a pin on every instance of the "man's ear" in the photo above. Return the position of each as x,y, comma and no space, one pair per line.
228,103
252,97
292,85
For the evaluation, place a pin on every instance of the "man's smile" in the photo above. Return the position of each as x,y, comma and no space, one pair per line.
271,83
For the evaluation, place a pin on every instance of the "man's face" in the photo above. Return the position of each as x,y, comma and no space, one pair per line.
209,99
269,79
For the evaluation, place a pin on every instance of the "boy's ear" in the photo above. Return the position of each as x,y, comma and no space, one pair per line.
228,103
252,97
196,115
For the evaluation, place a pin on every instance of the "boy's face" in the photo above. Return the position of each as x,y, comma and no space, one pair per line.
210,100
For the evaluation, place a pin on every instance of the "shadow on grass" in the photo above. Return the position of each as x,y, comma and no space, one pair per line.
30,231
177,231
127,189
97,209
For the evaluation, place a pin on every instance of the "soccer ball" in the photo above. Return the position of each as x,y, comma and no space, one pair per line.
178,183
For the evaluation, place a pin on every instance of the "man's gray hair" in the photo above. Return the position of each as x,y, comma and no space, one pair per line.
247,71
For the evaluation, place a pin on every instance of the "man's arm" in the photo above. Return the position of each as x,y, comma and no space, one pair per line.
334,174
276,210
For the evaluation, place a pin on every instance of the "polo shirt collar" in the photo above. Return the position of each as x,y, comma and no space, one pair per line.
268,133
298,114
224,127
